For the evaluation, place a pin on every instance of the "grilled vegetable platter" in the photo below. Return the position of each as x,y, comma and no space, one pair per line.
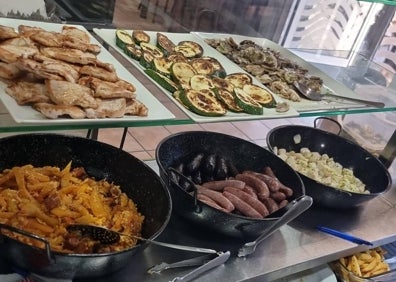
278,68
204,84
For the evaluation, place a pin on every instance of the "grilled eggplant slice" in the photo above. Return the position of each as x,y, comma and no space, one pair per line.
247,103
203,102
189,49
261,95
140,36
181,73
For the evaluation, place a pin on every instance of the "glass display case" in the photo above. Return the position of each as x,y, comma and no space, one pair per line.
340,39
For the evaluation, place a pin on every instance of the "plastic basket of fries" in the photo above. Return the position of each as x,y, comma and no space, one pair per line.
370,265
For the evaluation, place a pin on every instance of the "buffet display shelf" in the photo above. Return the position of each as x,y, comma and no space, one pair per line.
296,247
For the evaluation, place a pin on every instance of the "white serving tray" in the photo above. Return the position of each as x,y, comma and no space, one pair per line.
26,114
108,35
304,105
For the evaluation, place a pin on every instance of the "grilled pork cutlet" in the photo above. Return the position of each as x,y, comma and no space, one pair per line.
10,71
10,53
36,68
70,94
53,111
28,92
136,108
106,89
48,38
76,33
73,56
27,31
7,32
108,108
99,72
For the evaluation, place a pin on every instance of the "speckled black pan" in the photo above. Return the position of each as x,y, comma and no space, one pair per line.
244,155
365,166
100,160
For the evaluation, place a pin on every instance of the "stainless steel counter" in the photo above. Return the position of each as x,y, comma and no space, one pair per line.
295,247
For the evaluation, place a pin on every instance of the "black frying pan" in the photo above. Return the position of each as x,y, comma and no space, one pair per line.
244,155
365,166
100,160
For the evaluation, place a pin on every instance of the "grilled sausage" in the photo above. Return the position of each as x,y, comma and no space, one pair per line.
219,185
272,183
250,191
283,188
258,185
241,206
253,202
278,196
205,199
218,197
270,204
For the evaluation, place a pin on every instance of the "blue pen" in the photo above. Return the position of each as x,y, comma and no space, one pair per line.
344,236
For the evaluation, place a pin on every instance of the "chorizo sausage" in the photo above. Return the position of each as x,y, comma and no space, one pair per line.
219,185
218,197
258,185
253,202
241,206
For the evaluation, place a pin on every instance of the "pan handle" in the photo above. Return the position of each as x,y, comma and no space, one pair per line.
30,235
197,207
338,125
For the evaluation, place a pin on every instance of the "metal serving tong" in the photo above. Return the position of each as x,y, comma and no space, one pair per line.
293,209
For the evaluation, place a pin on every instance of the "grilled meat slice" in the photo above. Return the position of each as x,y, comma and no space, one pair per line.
106,89
136,108
48,38
76,33
73,56
108,108
70,94
10,71
27,31
99,72
36,68
28,92
7,32
10,53
53,111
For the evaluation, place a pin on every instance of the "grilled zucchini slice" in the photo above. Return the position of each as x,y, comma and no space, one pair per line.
228,99
202,102
181,73
176,95
146,60
261,95
162,80
218,69
150,48
165,44
140,36
202,66
247,103
163,66
123,38
239,79
189,49
221,83
133,51
200,81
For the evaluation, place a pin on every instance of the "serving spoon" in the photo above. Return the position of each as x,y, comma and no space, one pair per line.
108,236
314,95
